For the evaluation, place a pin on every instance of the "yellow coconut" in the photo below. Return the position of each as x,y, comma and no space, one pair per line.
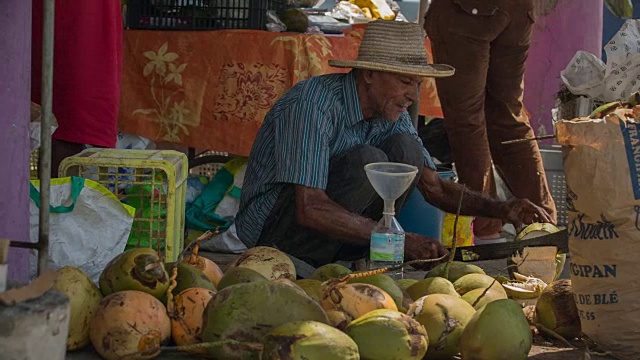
355,300
480,297
432,285
84,297
186,321
498,331
475,281
308,340
386,334
270,262
444,317
556,309
128,322
209,268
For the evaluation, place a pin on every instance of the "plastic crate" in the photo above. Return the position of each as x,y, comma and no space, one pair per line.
554,171
152,181
200,14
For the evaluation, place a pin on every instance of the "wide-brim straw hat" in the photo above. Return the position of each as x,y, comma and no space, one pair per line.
397,47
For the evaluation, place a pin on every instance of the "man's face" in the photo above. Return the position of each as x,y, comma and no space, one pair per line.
392,94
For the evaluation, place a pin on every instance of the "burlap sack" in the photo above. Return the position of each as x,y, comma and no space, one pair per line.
602,169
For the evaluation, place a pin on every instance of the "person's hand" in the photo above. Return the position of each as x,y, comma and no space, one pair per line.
521,212
418,247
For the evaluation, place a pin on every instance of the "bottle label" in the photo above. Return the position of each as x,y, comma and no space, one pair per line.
387,247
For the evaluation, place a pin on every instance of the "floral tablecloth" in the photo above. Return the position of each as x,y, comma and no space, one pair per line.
212,89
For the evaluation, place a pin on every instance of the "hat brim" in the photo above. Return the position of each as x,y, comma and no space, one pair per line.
429,70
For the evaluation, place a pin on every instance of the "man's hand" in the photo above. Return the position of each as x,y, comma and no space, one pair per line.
521,212
418,247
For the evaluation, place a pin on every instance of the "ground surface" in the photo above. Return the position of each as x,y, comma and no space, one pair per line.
542,349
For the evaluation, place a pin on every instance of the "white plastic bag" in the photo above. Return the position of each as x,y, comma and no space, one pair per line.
89,226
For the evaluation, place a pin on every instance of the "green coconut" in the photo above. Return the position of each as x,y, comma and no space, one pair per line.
387,284
480,297
190,276
457,270
404,284
329,271
433,285
444,317
135,269
388,335
499,330
308,340
247,312
556,309
239,275
313,288
475,281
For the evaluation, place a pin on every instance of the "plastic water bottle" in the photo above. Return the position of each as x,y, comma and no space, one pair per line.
387,246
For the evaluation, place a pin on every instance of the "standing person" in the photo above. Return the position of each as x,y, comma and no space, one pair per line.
487,42
87,72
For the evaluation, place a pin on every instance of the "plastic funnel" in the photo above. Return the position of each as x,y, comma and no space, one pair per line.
390,180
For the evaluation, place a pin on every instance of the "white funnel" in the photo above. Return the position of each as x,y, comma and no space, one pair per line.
390,180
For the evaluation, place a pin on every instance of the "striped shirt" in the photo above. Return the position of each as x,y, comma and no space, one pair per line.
315,121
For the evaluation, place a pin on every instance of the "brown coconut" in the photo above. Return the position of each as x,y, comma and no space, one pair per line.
556,309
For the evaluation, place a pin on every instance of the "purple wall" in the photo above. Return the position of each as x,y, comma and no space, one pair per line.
562,28
15,74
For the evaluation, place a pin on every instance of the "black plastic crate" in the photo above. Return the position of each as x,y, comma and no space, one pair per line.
200,14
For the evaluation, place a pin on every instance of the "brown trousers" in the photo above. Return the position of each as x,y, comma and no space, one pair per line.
487,42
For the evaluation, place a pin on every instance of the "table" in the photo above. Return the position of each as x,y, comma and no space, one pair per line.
212,89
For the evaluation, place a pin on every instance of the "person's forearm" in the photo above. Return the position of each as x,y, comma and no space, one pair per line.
446,195
329,218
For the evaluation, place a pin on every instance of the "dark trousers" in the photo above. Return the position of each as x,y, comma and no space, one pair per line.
487,42
348,186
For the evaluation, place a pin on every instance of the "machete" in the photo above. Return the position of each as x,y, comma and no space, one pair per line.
506,250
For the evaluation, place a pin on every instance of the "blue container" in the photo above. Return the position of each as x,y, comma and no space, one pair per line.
420,217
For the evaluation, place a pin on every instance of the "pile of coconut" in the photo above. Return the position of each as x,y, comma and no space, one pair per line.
258,309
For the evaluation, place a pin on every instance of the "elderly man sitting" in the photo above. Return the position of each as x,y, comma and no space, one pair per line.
305,190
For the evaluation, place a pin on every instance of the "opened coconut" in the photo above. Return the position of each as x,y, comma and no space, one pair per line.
308,340
270,262
355,300
190,276
239,275
330,271
313,288
524,289
386,334
247,312
476,281
556,310
84,297
480,297
138,269
444,317
499,330
186,319
457,270
128,322
432,285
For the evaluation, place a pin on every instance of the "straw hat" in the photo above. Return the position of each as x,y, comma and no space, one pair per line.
397,47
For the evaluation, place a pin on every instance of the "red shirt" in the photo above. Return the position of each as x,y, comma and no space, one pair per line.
87,69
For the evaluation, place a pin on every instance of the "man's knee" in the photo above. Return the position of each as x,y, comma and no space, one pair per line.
367,154
404,148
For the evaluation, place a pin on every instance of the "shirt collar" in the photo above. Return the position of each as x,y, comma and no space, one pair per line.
352,101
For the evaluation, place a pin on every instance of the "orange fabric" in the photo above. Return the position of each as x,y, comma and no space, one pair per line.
212,89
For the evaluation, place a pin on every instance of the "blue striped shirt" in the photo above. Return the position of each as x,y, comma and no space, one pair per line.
317,120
